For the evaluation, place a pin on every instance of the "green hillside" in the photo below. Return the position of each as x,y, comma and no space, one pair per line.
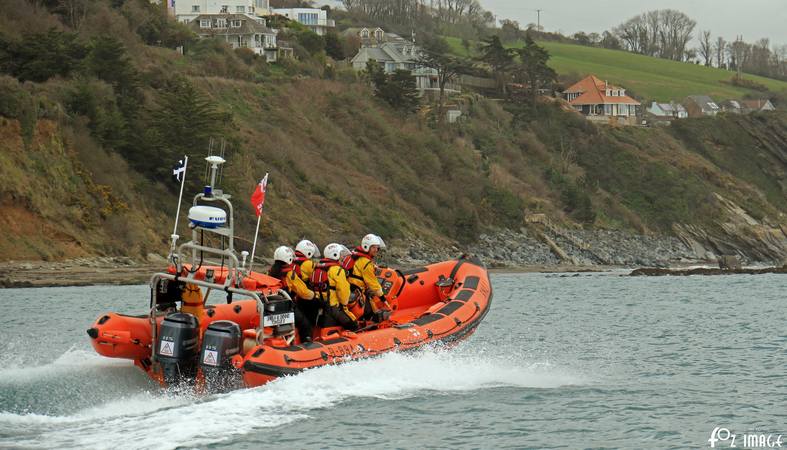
645,77
98,121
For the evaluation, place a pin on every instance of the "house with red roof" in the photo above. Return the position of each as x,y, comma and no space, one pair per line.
602,102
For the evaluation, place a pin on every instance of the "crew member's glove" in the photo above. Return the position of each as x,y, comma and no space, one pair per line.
382,315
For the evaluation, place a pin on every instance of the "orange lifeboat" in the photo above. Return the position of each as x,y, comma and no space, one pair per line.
437,303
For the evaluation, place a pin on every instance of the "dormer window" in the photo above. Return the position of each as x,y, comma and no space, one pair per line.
365,33
378,34
194,8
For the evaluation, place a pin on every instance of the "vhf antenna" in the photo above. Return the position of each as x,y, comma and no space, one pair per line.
221,167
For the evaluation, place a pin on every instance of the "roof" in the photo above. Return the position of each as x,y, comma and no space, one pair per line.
593,92
388,52
671,107
757,104
249,25
704,102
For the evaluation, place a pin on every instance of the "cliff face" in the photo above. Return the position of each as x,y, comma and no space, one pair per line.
61,197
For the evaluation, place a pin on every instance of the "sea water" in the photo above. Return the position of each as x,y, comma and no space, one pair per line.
592,360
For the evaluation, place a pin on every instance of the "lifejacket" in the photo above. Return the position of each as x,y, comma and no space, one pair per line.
348,263
300,258
319,279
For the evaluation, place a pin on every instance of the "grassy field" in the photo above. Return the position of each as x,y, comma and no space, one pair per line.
645,77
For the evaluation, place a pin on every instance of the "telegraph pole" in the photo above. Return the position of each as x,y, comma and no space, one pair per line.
538,23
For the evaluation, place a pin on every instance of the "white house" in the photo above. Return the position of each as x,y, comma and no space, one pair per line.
394,53
668,110
316,19
239,31
188,10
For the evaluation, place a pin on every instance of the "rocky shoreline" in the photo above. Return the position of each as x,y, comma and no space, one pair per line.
526,250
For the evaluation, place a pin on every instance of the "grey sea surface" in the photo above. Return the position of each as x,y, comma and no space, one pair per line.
593,360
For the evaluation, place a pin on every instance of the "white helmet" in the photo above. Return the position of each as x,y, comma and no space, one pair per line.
284,254
308,249
334,251
371,239
344,251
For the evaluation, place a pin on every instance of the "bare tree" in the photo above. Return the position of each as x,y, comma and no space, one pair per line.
675,35
706,47
721,44
664,33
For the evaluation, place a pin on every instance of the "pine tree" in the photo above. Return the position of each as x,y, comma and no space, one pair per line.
533,69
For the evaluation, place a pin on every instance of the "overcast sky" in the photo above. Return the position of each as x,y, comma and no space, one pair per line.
754,19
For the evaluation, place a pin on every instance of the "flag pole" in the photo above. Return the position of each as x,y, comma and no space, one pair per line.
258,207
254,246
177,213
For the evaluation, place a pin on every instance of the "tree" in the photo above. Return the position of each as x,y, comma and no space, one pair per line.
706,47
499,59
333,46
183,123
41,56
311,41
436,55
509,30
610,41
397,89
664,33
721,44
533,70
109,61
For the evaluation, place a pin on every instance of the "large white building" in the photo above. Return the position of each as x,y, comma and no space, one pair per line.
316,19
188,10
392,52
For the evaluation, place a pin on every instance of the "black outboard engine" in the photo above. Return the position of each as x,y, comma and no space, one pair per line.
279,313
177,347
221,342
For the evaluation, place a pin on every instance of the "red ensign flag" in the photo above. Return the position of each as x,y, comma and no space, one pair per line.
258,197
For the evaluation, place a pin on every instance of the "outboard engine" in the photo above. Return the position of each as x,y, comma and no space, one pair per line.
177,347
220,342
279,313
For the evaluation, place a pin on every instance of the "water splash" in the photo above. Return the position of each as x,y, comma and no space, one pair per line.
152,419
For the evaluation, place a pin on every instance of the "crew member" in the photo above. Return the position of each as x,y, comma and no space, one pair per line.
305,250
363,277
330,283
284,270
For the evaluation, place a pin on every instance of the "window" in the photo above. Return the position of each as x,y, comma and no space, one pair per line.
194,8
240,9
204,23
308,18
221,23
225,9
236,23
365,33
378,34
